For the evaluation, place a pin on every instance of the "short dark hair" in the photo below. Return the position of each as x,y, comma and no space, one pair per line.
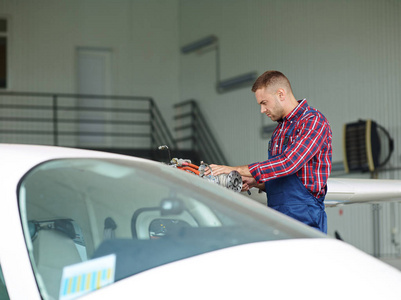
269,78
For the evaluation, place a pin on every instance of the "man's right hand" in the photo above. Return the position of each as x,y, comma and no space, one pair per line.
250,182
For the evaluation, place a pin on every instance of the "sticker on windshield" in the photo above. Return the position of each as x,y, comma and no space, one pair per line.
85,277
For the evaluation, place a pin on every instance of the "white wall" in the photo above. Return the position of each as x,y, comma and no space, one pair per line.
142,35
343,56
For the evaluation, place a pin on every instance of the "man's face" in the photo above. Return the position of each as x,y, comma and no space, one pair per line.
269,104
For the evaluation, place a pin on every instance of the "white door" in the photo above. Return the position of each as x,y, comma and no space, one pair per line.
94,78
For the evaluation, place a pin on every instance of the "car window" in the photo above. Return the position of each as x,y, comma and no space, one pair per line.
128,217
3,287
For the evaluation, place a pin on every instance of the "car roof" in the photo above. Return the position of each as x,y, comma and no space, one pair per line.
15,161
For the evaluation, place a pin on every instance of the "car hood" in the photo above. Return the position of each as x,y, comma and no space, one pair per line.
287,269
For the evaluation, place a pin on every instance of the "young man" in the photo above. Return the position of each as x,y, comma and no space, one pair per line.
299,163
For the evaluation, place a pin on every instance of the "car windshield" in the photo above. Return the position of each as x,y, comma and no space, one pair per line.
91,222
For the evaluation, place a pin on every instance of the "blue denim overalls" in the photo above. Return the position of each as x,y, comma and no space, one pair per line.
289,196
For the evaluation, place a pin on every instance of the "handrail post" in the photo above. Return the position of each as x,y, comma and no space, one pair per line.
152,117
195,131
55,121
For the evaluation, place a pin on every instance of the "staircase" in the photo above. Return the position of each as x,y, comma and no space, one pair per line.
193,133
127,125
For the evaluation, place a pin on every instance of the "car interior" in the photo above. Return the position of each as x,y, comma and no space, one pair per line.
75,210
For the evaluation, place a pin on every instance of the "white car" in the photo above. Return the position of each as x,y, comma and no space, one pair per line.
76,223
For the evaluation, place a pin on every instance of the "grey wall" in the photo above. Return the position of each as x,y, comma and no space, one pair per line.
343,56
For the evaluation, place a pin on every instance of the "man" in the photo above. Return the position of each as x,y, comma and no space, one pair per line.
299,154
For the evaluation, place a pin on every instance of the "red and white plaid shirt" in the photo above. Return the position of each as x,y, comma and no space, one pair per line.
308,153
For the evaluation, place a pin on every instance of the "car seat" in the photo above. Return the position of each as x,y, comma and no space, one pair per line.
53,250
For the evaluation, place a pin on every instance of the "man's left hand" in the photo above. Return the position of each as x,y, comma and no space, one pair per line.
218,169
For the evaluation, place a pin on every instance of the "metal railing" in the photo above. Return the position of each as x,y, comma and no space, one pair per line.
196,133
86,121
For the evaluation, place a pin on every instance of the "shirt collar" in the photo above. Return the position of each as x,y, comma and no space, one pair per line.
298,110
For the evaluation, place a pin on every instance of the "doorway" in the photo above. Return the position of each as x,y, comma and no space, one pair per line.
93,78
